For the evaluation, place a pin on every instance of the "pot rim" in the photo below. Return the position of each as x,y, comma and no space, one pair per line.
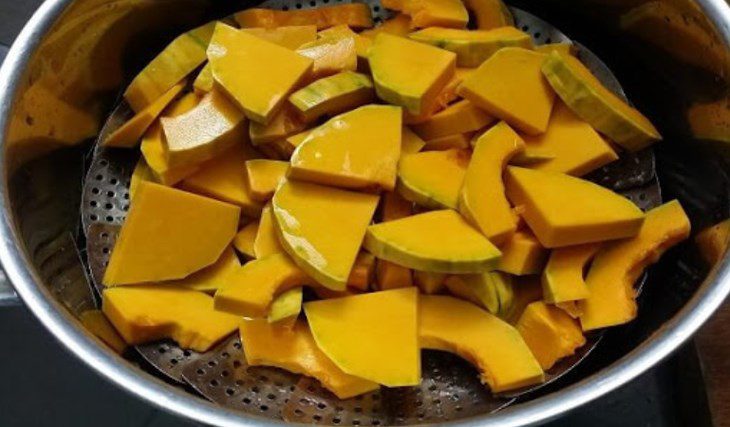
111,366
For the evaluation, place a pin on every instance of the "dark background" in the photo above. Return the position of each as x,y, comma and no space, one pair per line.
42,384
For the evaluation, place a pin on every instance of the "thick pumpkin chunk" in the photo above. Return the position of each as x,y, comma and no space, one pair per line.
171,66
150,313
550,333
267,241
510,86
333,95
290,37
239,61
595,104
436,13
562,279
96,322
285,123
713,241
250,291
355,15
522,254
438,241
563,211
357,149
264,176
203,82
610,280
322,228
286,307
348,329
457,118
362,44
418,183
331,54
408,73
577,149
482,200
295,350
387,274
169,234
205,131
410,142
245,239
496,348
224,178
129,134
212,277
473,47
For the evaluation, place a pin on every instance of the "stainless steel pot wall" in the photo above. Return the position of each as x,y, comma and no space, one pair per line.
65,70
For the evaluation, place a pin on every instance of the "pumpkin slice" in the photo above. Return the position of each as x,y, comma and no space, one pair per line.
204,81
129,134
285,123
240,62
492,291
264,176
610,280
398,25
290,37
438,241
429,283
418,183
531,155
295,350
286,307
357,149
595,104
355,15
322,228
522,254
169,67
189,143
490,14
443,99
372,336
482,200
141,172
562,279
224,178
713,242
212,277
473,47
710,120
333,95
550,333
142,314
96,322
566,48
331,54
578,149
496,348
526,289
267,241
387,274
362,44
563,211
408,73
509,85
250,291
245,238
154,148
436,13
460,117
410,142
459,141
169,234
362,272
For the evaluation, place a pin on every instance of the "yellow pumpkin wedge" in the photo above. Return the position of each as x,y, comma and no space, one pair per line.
429,283
250,291
387,274
418,183
482,199
322,228
372,336
437,241
264,176
531,155
204,81
224,178
550,333
286,307
129,134
563,210
490,14
355,15
290,37
285,123
169,67
562,279
267,241
212,277
444,98
509,85
142,314
141,172
713,242
566,48
410,142
362,272
295,350
398,25
205,131
710,120
592,102
458,141
96,322
408,73
357,149
239,62
245,238
496,348
169,234
362,44
331,54
576,147
616,267
333,95
473,47
522,254
460,117
436,13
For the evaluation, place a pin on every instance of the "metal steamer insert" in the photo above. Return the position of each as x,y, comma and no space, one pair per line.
450,389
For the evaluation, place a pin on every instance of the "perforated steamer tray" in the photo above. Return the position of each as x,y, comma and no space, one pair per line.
450,389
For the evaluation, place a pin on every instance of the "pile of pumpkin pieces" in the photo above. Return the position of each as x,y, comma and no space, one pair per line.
421,179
